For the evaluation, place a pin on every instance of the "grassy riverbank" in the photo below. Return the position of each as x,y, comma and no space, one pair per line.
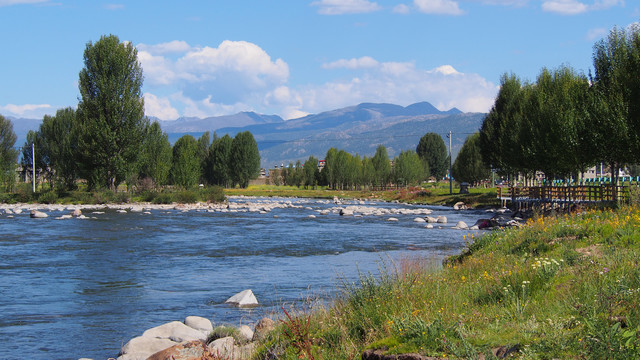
436,194
565,287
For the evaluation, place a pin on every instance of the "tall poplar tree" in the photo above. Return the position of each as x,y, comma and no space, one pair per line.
433,152
8,154
111,122
245,159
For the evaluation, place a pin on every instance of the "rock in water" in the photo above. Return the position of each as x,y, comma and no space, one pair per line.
35,214
243,299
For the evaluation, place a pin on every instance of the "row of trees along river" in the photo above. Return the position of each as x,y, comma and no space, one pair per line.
108,141
566,121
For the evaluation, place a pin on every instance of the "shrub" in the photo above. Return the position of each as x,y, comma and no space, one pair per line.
186,197
213,194
163,198
48,197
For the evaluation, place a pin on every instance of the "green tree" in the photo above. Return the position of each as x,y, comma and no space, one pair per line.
408,168
433,152
155,158
204,144
34,142
616,133
59,145
368,172
219,161
311,172
8,155
245,159
500,131
328,173
381,166
185,170
469,166
111,122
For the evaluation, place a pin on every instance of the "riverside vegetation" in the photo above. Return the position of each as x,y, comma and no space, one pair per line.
564,287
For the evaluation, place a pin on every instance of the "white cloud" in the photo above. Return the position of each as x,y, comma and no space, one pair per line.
401,9
444,7
174,46
574,7
27,110
159,107
363,62
564,7
18,2
403,83
226,77
339,7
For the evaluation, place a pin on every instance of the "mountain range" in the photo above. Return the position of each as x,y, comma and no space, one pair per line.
355,129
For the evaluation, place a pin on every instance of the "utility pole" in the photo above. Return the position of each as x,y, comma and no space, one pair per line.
33,165
450,165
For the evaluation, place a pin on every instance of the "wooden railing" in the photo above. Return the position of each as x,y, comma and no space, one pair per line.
563,194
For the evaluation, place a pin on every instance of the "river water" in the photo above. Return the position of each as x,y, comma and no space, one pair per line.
82,288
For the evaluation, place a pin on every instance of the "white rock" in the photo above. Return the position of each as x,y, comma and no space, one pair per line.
243,299
175,331
222,348
199,323
142,347
392,219
461,225
442,220
428,226
311,216
246,332
76,212
419,220
64,217
431,219
35,214
122,211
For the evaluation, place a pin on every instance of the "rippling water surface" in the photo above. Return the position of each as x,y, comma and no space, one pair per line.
82,288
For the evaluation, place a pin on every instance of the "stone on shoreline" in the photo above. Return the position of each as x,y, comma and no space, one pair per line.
175,331
141,347
199,323
263,327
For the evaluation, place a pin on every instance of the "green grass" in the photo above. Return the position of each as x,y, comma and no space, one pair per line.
566,287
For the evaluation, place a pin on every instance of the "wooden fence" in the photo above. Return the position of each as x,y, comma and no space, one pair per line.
561,195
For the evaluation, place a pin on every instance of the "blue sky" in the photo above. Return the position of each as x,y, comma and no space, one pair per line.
291,58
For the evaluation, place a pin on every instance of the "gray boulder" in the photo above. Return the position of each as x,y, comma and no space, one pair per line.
35,214
461,225
175,331
141,347
201,324
442,220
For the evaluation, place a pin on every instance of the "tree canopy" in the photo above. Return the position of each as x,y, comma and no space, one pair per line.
111,123
432,150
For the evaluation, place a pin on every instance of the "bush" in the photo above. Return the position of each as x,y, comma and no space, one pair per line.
163,198
49,197
186,197
213,194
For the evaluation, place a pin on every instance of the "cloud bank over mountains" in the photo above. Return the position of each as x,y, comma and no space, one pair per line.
240,76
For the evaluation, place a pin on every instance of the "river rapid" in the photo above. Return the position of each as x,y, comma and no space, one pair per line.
83,287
